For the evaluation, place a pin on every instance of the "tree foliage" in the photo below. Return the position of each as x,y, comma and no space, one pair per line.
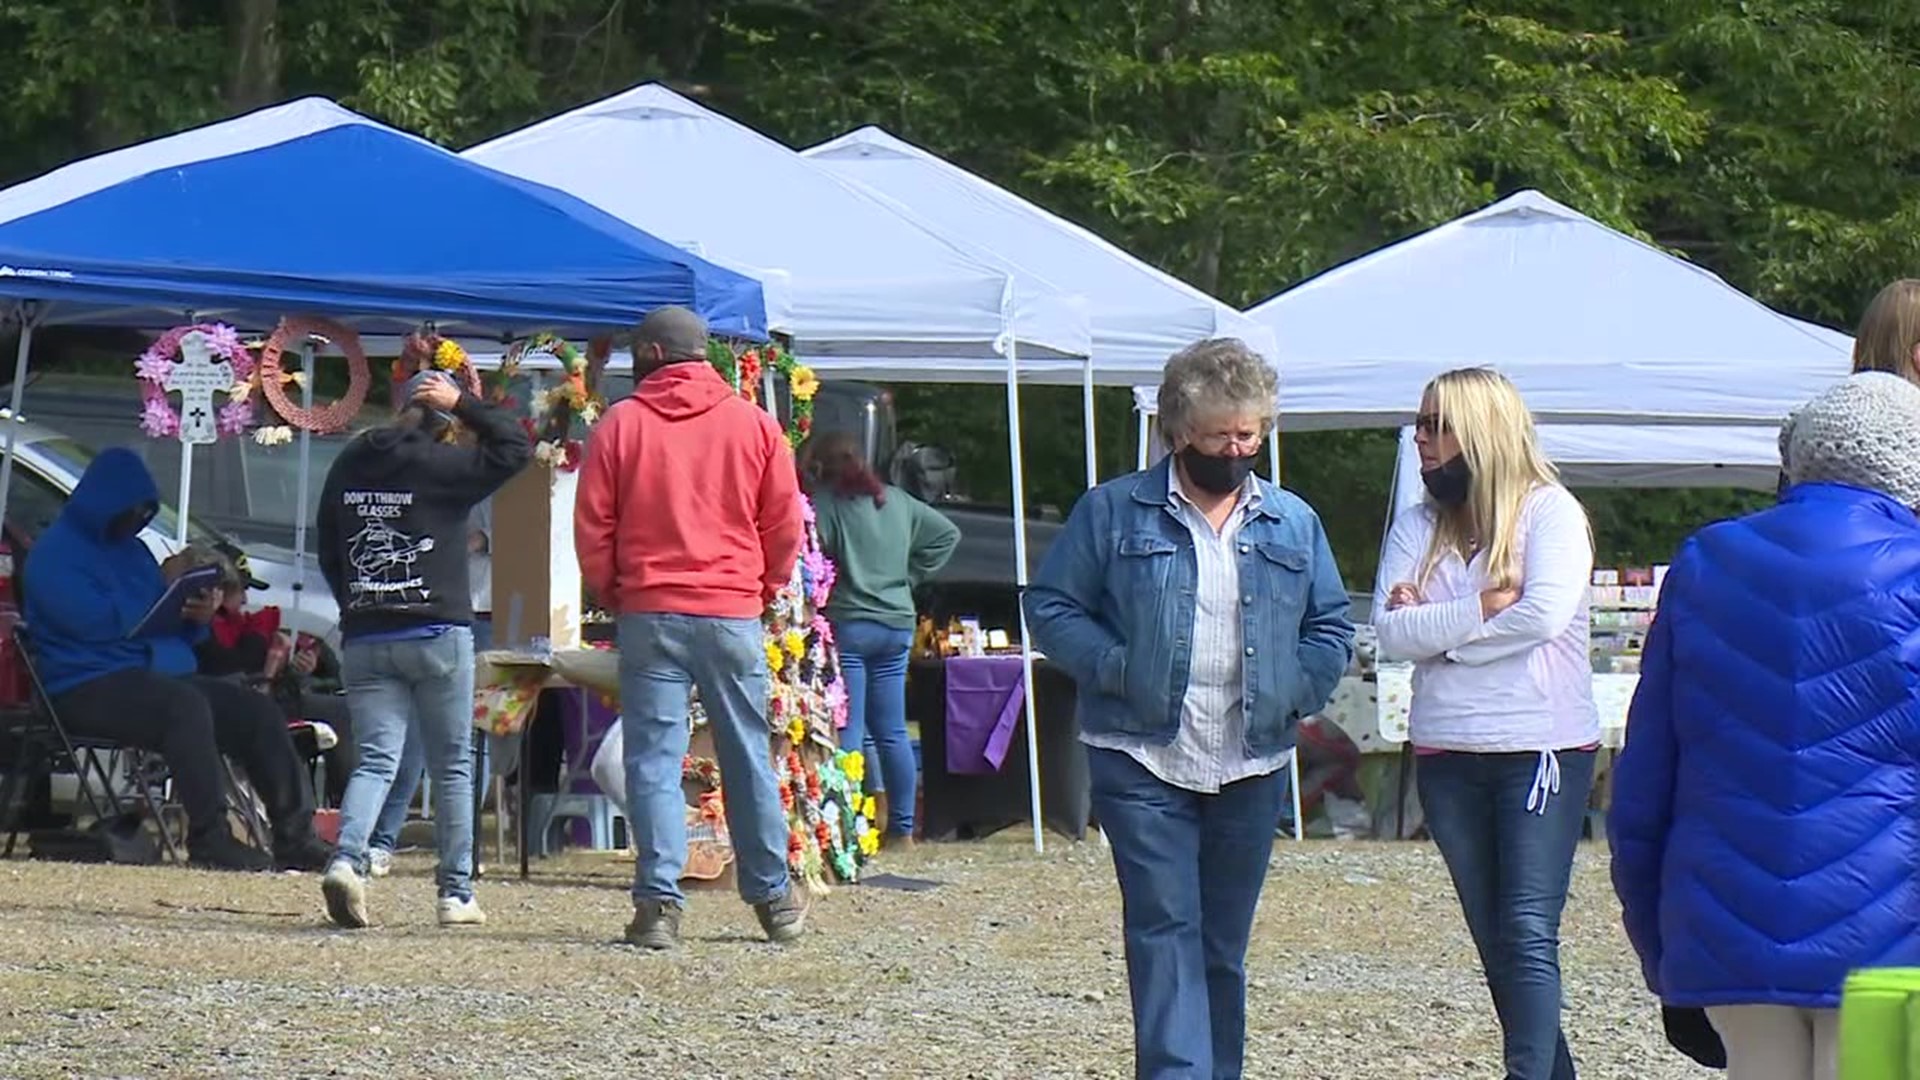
1244,145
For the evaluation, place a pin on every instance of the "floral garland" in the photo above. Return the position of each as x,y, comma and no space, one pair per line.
703,770
324,419
426,350
158,418
744,369
552,412
830,822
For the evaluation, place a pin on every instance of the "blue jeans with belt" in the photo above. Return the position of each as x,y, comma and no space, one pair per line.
1191,867
1511,865
873,662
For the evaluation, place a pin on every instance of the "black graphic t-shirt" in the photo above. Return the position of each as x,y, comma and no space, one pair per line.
393,519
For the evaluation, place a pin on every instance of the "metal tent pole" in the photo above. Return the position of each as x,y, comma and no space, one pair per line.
27,320
1020,558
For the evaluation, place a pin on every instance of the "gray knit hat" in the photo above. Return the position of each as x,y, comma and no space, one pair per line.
1863,432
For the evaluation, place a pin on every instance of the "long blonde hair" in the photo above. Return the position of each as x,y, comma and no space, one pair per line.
1496,435
1889,331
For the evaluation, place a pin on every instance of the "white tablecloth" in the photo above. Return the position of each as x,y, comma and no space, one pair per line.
1374,714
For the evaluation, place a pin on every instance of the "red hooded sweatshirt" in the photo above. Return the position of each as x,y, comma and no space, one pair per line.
687,501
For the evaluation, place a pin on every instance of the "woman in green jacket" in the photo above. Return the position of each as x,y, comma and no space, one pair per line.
883,543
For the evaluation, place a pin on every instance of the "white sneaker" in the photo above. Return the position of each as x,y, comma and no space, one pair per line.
346,893
379,862
455,911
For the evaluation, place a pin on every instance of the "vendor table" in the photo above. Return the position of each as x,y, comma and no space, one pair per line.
507,687
987,801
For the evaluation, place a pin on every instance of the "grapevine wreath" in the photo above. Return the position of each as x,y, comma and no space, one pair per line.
323,419
425,350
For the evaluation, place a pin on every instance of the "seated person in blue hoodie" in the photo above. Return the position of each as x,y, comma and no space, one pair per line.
89,580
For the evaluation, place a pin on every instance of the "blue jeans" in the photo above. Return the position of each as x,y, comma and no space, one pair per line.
1190,867
662,657
1511,868
413,766
873,661
426,685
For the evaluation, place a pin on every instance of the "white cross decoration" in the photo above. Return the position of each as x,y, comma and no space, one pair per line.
196,377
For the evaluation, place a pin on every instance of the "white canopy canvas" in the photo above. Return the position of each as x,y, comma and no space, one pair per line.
1587,321
1140,315
253,131
870,291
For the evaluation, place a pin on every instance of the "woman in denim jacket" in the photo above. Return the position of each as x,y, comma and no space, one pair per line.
1200,612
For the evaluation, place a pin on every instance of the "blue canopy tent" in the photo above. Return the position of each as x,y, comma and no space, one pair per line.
367,225
309,208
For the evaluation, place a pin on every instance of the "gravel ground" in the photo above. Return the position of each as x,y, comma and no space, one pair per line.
1360,968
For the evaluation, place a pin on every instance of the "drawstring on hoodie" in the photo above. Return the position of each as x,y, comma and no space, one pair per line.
1546,783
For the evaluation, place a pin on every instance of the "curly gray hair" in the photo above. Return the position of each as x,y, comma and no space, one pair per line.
1218,375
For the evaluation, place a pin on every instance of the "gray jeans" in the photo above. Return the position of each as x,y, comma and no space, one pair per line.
425,684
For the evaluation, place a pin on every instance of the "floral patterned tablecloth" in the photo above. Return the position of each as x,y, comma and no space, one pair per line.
507,685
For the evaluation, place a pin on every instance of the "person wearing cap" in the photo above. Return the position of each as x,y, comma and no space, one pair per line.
1765,822
686,522
393,547
252,645
89,584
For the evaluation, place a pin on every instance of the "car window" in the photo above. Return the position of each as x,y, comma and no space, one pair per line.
273,480
32,502
72,457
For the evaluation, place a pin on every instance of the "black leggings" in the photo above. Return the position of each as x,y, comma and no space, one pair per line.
191,721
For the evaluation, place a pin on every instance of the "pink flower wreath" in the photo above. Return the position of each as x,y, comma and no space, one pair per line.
157,416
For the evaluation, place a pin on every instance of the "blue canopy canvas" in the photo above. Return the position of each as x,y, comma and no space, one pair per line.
357,222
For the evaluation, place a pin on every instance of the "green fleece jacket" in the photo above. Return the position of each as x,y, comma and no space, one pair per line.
881,553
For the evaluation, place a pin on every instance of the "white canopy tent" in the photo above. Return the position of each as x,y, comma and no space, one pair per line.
1581,317
870,290
1140,315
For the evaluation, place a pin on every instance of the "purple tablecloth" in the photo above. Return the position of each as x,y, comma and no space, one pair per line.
986,697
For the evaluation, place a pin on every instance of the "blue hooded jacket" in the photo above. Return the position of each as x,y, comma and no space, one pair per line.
85,593
1765,821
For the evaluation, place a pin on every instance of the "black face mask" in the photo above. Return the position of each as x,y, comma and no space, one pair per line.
127,524
1213,474
1449,482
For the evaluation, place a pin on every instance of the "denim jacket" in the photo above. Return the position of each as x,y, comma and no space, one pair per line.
1114,605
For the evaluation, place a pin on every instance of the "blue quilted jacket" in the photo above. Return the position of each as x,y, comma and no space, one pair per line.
1765,822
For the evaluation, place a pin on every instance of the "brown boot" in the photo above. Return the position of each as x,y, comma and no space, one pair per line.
879,810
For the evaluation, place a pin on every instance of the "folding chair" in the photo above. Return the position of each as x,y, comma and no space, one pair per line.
42,740
45,737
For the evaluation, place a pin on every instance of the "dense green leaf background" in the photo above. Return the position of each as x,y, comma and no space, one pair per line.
1242,144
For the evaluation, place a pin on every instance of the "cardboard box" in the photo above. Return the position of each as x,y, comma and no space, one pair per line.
536,577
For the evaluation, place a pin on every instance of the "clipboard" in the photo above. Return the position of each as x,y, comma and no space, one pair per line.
164,616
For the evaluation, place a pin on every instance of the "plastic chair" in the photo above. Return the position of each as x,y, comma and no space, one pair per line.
596,810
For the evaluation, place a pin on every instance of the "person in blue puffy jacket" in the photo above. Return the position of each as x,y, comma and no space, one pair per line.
1765,822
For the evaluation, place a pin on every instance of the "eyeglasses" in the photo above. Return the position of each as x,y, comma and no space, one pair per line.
1219,442
1428,424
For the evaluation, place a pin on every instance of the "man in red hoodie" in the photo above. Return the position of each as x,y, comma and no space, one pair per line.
686,520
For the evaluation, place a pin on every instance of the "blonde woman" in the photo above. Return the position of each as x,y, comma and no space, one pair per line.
1483,587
